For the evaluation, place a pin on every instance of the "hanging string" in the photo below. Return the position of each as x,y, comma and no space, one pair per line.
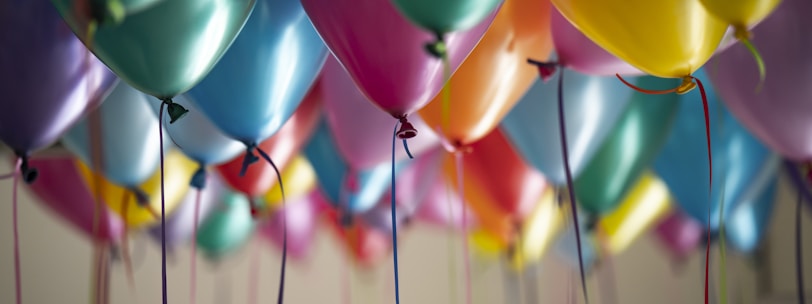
609,286
452,261
466,255
722,250
94,129
347,284
193,268
799,258
163,203
253,274
393,212
106,276
125,241
16,230
745,37
264,155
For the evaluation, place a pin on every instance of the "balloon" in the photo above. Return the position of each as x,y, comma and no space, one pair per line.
740,13
44,90
145,210
566,247
592,107
740,162
496,74
745,227
301,218
360,129
444,16
197,136
442,207
128,135
778,113
60,188
680,234
299,178
365,246
645,204
265,74
228,227
349,190
282,147
162,50
538,231
668,38
375,44
631,146
180,224
575,51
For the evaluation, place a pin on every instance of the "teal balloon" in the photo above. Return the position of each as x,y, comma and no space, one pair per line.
165,47
227,228
265,74
630,148
350,190
129,137
444,16
742,166
592,107
746,226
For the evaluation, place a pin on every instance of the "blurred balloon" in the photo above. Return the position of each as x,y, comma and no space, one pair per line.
349,190
486,244
667,38
45,91
228,228
740,14
566,247
444,16
164,49
631,146
644,205
538,231
577,52
282,147
359,128
778,112
743,165
140,205
442,207
265,74
180,224
299,178
747,224
496,74
378,51
60,187
367,247
592,107
301,215
128,135
680,234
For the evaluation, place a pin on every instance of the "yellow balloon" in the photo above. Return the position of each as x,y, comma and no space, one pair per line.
646,203
664,38
178,173
740,13
538,231
299,179
486,244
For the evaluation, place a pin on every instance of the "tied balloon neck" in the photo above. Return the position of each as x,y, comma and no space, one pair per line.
592,223
346,220
256,209
175,111
437,48
199,178
742,33
686,86
104,12
140,197
546,69
249,158
28,174
407,130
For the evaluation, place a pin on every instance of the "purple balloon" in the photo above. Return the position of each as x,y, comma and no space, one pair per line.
780,112
302,216
47,77
180,224
680,234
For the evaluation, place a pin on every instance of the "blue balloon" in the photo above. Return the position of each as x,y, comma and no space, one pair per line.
745,227
128,137
265,74
335,175
592,106
566,248
742,165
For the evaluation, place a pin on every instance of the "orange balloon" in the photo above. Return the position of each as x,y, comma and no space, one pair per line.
496,74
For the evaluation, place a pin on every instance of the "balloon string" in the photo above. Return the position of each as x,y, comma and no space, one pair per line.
710,177
799,258
394,218
722,250
610,287
193,268
452,261
347,286
15,219
645,91
253,279
281,296
163,204
446,92
105,276
466,255
406,147
799,181
128,266
565,153
743,35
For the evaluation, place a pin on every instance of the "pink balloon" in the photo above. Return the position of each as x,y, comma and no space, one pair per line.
577,52
301,215
60,187
680,234
361,131
384,53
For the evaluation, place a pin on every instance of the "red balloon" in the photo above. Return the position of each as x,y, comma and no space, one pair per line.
366,246
281,147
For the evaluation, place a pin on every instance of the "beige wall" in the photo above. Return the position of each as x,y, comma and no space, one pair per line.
56,265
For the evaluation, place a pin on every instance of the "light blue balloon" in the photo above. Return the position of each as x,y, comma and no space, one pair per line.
592,106
129,137
265,74
745,227
742,165
198,137
566,247
334,173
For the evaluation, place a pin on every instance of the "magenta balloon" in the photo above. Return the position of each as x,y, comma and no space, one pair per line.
680,234
302,219
384,53
780,113
577,52
60,187
361,130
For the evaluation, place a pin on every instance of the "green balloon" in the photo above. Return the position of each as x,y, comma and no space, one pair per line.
227,228
444,16
160,47
630,148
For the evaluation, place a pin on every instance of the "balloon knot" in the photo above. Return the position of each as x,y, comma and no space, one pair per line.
686,86
175,111
742,33
746,37
29,174
546,69
103,12
199,178
407,130
249,158
592,223
437,48
256,212
140,197
346,220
